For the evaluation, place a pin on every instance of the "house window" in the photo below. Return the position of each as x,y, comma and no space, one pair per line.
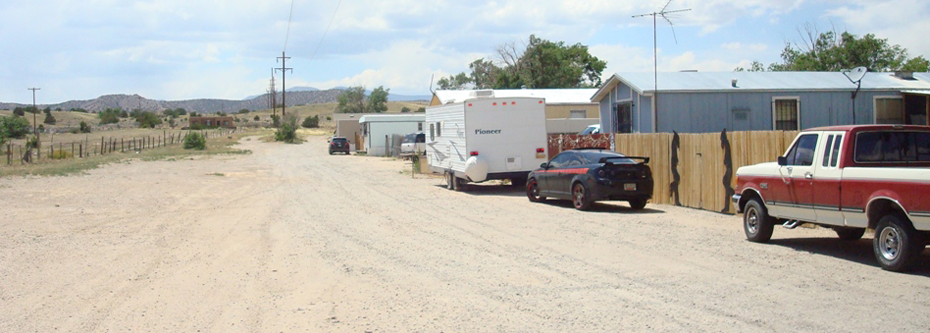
576,114
889,110
624,118
786,114
419,126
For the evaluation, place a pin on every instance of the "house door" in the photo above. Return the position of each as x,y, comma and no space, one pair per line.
623,114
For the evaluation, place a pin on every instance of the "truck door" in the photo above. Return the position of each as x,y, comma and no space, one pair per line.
827,177
799,176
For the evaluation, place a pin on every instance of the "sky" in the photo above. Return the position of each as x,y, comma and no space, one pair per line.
188,49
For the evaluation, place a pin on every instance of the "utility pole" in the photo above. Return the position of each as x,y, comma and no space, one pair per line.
35,109
273,95
655,56
284,70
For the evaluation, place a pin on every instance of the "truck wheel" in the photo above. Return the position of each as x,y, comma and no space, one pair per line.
638,204
896,244
757,223
580,197
849,234
532,191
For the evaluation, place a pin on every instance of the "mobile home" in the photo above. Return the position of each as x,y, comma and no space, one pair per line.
379,130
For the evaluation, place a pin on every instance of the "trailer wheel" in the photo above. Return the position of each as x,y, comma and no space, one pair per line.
518,182
449,180
896,244
757,223
532,191
580,197
458,184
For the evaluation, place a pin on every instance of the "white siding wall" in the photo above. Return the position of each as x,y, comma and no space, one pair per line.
374,142
447,150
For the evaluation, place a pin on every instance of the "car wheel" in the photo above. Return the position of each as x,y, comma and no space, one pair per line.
757,223
896,244
532,191
638,204
580,197
849,234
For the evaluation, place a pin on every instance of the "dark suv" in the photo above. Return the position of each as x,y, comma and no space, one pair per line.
592,174
338,144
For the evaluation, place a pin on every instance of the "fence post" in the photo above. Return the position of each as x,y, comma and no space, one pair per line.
101,146
81,149
72,150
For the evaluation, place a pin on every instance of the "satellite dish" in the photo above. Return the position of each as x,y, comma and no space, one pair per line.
856,74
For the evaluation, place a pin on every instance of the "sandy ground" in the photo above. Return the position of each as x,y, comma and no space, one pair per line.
292,239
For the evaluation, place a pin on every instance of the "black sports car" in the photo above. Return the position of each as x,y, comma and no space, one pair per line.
592,174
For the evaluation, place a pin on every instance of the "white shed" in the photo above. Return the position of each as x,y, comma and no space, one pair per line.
378,130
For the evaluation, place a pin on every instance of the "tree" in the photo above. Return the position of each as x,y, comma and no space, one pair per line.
404,109
454,82
148,120
47,110
311,122
14,127
755,66
84,127
351,100
181,111
19,111
832,52
421,109
49,119
377,101
542,64
109,116
256,118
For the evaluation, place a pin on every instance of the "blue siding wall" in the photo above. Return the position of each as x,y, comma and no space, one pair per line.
712,112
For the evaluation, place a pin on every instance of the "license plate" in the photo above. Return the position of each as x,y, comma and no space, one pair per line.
629,186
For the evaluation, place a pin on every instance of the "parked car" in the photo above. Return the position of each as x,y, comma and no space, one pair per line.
338,144
848,178
413,143
593,129
592,174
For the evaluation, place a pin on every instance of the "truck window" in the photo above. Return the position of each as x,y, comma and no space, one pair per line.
803,151
892,147
827,150
836,150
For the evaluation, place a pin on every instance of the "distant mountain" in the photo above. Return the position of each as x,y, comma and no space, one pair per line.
130,102
294,89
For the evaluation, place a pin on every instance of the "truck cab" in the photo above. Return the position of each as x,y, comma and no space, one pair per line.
848,178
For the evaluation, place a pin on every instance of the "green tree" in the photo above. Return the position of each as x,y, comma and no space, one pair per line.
84,127
49,119
832,52
287,132
148,120
377,101
454,82
351,100
14,127
181,111
19,111
542,64
47,110
109,116
404,109
421,109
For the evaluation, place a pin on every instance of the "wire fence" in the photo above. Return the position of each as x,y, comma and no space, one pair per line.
24,154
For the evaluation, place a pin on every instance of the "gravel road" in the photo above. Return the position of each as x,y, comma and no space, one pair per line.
292,239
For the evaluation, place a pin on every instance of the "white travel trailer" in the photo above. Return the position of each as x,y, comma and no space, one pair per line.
378,130
485,138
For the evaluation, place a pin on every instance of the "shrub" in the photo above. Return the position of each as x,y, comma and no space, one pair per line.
256,118
329,118
195,140
60,155
109,116
49,119
311,122
19,111
244,111
421,109
193,114
84,128
74,130
404,109
287,132
275,120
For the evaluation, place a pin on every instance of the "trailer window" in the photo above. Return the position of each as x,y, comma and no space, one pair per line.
432,133
439,129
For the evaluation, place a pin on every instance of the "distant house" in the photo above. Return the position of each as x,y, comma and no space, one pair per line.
696,102
226,122
567,110
379,130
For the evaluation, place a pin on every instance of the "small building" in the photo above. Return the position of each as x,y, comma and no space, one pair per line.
567,110
379,131
225,122
696,102
347,125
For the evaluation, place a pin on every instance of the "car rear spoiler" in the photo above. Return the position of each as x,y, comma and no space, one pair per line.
606,160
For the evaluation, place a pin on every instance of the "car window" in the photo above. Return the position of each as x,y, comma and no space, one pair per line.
892,147
561,160
409,138
802,153
421,138
574,161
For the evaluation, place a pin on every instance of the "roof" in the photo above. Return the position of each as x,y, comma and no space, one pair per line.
643,82
387,118
552,96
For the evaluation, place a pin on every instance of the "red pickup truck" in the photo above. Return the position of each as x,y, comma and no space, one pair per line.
848,178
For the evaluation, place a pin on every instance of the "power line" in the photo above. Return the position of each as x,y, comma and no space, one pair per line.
327,30
288,34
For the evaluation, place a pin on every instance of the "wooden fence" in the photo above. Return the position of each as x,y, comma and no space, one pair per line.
699,170
562,142
87,148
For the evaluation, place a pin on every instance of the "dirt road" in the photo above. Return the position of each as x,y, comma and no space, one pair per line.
292,239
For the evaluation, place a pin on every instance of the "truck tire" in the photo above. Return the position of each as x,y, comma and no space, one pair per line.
849,234
638,204
896,244
581,199
757,223
532,191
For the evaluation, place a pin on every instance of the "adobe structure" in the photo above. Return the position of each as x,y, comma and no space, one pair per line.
225,122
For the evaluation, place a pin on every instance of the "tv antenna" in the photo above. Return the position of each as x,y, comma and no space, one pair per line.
655,56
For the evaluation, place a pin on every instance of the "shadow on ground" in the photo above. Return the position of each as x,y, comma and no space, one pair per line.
859,251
